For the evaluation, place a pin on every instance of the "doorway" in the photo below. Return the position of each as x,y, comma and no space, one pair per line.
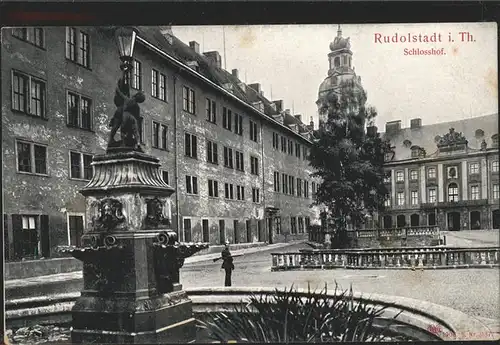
401,221
249,231
387,222
415,220
496,219
222,231
431,219
453,221
269,222
475,220
206,232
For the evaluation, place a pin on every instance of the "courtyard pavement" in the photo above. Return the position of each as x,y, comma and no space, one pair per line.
472,238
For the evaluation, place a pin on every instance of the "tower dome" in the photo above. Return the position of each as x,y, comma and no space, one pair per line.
340,42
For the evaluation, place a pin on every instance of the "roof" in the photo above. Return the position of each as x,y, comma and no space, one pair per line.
183,53
427,136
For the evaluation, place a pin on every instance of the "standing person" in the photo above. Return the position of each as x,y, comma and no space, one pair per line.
227,264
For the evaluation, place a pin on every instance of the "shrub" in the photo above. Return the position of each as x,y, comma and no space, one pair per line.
290,316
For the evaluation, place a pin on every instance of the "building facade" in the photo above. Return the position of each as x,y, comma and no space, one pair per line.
236,160
443,174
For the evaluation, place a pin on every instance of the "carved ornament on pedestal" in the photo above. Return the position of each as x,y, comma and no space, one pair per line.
156,215
109,214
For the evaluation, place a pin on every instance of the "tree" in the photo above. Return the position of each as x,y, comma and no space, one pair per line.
349,160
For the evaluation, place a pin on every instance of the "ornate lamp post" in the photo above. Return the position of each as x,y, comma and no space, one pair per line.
131,256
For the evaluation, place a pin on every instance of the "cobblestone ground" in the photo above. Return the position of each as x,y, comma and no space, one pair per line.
472,291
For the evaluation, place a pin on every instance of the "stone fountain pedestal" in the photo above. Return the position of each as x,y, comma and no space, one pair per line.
131,257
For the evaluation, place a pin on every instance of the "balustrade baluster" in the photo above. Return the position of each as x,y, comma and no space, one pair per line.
421,260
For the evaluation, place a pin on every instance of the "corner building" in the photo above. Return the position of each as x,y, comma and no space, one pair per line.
237,161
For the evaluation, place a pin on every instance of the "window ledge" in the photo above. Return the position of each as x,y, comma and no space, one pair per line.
78,64
32,173
20,112
80,128
160,149
191,194
78,179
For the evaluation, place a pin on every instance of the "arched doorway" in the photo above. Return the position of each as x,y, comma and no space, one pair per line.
453,221
414,220
496,219
475,220
387,222
401,221
431,219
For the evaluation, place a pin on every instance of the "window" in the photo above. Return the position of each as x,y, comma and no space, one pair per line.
28,235
159,136
254,165
136,75
80,166
291,185
414,197
308,223
297,150
304,152
413,175
28,94
473,168
293,225
164,176
290,147
496,192
284,180
228,191
400,177
78,47
222,230
31,158
240,193
206,231
211,110
387,177
212,152
188,103
238,124
158,85
239,161
432,195
191,145
191,184
415,152
79,111
431,173
253,131
276,181
474,192
283,144
401,198
228,157
276,140
301,225
299,187
187,230
226,118
453,192
277,224
313,187
494,166
213,188
306,189
75,229
236,231
34,36
387,201
255,195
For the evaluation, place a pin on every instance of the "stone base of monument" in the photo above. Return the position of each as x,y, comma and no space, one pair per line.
165,319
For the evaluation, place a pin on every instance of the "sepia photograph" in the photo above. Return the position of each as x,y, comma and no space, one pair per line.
250,183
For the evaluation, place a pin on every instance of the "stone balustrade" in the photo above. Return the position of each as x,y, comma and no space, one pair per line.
396,232
387,258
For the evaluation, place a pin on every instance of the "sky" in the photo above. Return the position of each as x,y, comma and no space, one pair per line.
291,61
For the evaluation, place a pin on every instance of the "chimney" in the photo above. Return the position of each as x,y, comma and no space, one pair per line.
195,46
166,32
415,123
234,72
311,123
298,117
371,130
287,111
255,86
279,105
392,127
214,58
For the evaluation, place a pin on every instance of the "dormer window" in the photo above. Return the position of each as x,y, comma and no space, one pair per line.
479,133
494,139
407,143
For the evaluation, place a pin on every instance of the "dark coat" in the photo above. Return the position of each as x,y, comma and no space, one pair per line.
227,259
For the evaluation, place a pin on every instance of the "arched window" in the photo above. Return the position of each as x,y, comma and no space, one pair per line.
350,61
336,62
453,192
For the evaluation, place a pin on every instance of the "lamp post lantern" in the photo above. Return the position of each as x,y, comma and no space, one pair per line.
125,40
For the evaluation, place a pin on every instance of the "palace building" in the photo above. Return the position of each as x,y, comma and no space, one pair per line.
236,160
443,174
